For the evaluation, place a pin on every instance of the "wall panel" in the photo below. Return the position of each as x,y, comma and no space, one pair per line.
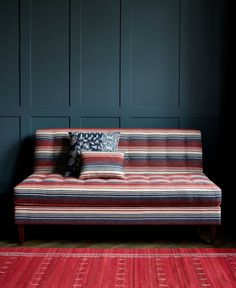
38,122
153,47
10,144
100,122
49,41
99,52
201,53
210,128
154,122
9,53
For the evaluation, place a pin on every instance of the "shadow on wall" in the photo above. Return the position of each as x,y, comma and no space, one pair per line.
23,167
228,156
25,160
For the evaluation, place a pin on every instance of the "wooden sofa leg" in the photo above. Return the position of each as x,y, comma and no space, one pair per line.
21,234
213,233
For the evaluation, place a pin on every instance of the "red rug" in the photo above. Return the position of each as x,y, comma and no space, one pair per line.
117,268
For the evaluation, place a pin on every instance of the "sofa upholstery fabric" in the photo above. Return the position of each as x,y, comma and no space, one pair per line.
164,183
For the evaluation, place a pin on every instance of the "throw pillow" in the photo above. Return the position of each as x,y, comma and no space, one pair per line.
89,141
102,165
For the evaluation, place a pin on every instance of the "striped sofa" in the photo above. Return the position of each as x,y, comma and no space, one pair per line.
164,183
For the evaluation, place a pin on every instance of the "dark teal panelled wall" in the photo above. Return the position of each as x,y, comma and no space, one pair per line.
109,63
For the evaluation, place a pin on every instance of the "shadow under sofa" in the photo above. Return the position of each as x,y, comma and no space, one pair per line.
164,184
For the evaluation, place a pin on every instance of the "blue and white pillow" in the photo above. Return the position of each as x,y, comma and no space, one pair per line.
89,141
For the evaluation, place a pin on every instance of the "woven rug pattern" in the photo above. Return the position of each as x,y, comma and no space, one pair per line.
117,268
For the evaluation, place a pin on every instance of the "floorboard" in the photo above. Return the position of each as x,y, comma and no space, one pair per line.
120,237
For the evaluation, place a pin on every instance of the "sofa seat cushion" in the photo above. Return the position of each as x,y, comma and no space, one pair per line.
179,190
117,215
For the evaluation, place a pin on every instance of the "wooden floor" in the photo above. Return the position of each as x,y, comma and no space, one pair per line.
120,237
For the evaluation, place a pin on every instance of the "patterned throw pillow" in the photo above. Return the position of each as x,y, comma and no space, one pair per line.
102,165
89,141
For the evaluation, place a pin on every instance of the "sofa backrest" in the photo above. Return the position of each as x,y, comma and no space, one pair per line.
146,150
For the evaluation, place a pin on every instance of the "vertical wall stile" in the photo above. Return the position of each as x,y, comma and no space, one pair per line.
75,62
125,57
25,65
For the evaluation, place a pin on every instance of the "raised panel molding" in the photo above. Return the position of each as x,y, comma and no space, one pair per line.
10,143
